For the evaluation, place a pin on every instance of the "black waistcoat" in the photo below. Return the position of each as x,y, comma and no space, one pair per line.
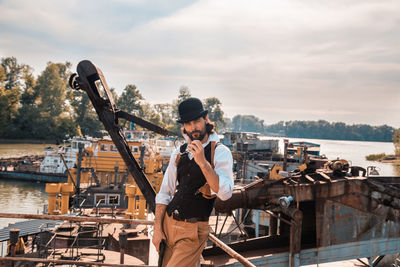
187,200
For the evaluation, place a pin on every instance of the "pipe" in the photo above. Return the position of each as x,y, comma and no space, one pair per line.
285,154
14,235
130,191
52,190
74,218
66,189
69,262
142,205
230,251
123,238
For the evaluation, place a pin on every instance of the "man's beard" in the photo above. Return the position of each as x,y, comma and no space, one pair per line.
197,135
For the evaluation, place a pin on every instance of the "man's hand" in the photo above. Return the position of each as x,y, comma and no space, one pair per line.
196,148
157,237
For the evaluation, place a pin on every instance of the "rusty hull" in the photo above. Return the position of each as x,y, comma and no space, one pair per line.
337,208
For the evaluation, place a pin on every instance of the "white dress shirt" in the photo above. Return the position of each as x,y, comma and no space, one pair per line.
223,164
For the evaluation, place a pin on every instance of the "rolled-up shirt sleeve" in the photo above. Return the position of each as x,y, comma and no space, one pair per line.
168,185
223,167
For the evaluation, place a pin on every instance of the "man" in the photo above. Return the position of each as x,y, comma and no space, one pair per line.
197,172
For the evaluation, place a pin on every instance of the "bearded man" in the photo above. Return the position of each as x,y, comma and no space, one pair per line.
198,171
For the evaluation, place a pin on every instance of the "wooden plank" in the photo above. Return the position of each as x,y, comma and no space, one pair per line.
230,251
74,218
69,262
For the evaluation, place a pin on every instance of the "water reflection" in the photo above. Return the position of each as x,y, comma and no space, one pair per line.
21,197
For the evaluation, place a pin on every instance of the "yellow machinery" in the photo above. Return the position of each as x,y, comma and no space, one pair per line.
66,190
130,191
103,165
52,190
109,166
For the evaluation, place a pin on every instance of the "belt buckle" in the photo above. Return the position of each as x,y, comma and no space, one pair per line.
175,215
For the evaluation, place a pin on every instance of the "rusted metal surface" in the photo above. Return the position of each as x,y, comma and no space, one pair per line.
377,196
338,209
230,251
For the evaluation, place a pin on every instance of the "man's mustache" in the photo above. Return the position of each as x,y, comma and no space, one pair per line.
191,133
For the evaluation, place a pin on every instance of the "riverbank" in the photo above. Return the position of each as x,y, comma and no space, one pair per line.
384,158
26,141
22,149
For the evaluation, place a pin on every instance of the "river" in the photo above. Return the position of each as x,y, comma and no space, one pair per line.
25,197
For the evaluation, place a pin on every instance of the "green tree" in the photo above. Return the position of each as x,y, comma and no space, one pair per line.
165,111
129,101
10,93
52,87
130,98
84,114
248,123
335,130
228,125
147,112
27,115
215,113
184,93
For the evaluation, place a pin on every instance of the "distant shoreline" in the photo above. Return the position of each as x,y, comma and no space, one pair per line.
314,138
26,141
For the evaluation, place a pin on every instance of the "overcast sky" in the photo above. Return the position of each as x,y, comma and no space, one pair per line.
278,60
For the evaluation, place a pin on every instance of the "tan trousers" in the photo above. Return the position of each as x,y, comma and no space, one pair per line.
185,242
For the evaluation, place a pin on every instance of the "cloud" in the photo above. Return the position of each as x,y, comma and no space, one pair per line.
278,60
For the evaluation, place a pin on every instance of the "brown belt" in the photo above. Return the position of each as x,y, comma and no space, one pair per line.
190,220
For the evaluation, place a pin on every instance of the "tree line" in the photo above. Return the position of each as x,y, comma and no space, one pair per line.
45,108
320,129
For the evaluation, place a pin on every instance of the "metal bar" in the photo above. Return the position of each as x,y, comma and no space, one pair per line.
238,224
278,217
223,224
74,218
148,125
308,177
66,167
216,222
377,260
363,262
326,177
295,237
40,260
51,240
230,251
286,143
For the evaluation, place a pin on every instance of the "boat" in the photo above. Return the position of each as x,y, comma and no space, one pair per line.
254,156
312,148
53,158
26,168
101,173
249,142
